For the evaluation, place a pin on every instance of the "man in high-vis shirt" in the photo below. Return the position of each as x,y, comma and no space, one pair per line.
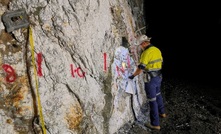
151,64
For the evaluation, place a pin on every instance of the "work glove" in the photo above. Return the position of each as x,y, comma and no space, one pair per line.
131,77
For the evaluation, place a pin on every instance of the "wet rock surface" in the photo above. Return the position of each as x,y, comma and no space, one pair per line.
191,109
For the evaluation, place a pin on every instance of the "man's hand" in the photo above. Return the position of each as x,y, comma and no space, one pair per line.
131,77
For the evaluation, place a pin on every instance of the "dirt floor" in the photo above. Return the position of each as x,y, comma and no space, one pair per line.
191,109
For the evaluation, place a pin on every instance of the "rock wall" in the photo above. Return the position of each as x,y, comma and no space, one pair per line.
66,73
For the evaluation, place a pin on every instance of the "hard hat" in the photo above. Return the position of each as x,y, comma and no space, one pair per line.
142,38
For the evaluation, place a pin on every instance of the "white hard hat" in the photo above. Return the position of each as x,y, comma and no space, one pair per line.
142,38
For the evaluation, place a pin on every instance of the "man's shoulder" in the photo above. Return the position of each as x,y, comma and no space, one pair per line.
153,48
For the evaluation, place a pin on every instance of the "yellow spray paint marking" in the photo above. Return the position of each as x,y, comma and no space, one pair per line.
36,80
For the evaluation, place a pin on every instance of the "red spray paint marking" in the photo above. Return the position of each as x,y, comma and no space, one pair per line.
128,61
79,71
105,62
39,61
11,76
122,68
119,69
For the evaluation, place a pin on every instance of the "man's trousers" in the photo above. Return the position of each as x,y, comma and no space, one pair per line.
155,99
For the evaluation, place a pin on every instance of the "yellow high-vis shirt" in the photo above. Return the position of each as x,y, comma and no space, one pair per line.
152,59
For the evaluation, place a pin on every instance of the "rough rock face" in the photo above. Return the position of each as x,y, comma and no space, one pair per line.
67,72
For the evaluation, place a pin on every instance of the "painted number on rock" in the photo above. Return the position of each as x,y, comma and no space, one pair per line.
11,76
78,70
39,61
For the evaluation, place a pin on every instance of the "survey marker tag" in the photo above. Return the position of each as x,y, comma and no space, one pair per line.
14,20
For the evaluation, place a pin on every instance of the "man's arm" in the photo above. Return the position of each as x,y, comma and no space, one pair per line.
137,72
